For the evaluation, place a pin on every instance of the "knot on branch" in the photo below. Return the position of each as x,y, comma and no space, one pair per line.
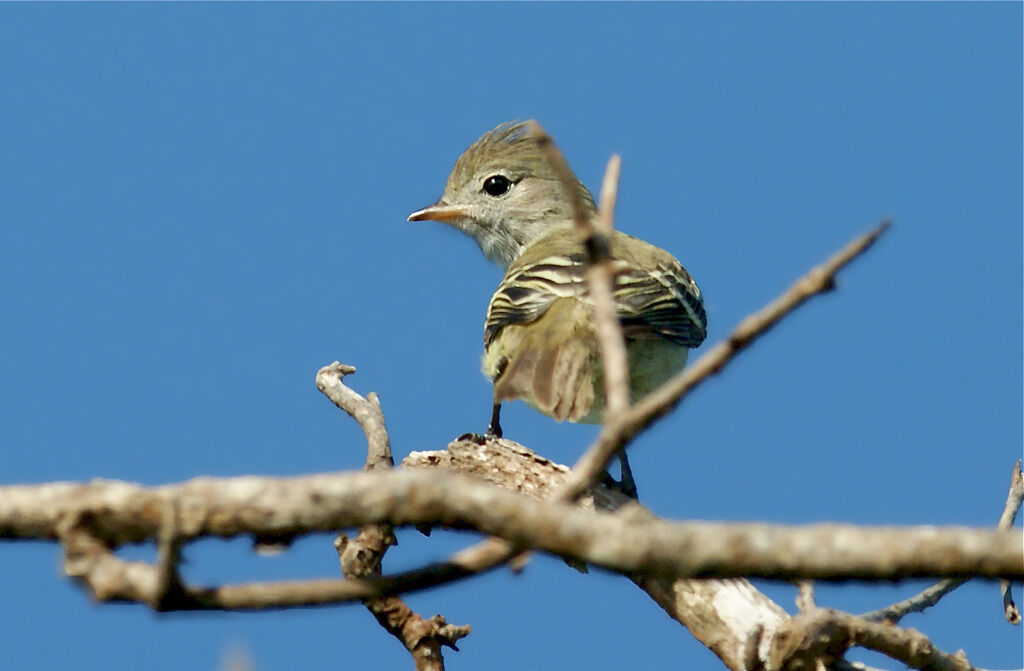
807,640
436,631
362,557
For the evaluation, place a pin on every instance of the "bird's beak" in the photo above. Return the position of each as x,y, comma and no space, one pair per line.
439,211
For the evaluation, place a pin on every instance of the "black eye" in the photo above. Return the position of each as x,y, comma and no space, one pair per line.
497,185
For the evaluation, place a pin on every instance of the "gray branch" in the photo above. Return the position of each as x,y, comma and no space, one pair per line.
362,556
116,513
724,615
733,619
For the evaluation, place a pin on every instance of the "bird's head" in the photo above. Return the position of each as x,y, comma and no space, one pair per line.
504,192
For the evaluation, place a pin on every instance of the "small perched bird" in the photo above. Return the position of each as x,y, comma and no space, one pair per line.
539,340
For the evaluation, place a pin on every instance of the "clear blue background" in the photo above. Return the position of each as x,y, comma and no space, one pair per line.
200,205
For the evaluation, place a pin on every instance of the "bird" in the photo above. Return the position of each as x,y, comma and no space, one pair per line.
540,345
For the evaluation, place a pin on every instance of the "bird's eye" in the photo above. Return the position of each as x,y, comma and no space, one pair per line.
497,185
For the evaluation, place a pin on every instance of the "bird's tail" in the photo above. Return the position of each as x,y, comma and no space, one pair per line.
551,364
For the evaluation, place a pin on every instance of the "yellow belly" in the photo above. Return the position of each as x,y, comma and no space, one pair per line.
651,363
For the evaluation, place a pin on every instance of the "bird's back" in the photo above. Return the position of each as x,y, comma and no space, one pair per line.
541,313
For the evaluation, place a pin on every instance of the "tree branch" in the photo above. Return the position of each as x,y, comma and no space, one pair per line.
823,636
596,233
1013,502
362,557
115,513
724,615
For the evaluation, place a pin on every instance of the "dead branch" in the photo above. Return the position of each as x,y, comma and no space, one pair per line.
362,556
819,638
724,615
596,234
109,514
1013,501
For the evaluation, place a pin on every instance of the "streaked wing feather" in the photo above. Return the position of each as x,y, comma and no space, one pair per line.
661,301
527,292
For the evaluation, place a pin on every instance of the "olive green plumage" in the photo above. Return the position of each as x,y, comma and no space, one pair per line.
540,344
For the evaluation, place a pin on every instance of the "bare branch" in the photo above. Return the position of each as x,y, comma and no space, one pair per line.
824,635
600,274
915,604
617,432
601,281
725,615
366,412
422,637
1013,501
169,584
362,557
805,596
109,514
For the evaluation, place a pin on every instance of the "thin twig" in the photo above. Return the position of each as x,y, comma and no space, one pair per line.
366,412
596,234
619,431
169,584
805,596
1013,502
915,604
931,596
601,281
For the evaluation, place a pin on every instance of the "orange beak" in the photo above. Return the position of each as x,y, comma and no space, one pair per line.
439,211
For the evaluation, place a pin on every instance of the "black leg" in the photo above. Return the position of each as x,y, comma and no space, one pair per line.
627,484
494,428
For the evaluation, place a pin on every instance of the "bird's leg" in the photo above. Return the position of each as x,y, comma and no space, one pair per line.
494,428
627,484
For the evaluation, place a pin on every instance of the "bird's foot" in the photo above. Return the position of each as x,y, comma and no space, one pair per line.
477,438
627,486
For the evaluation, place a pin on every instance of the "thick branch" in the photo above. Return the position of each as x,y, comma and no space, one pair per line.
725,615
118,513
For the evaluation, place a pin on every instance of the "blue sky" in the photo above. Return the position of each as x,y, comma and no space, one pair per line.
201,204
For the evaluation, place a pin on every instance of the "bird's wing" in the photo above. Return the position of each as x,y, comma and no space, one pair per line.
529,289
660,299
654,295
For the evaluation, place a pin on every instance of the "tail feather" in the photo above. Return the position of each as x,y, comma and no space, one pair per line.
551,368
